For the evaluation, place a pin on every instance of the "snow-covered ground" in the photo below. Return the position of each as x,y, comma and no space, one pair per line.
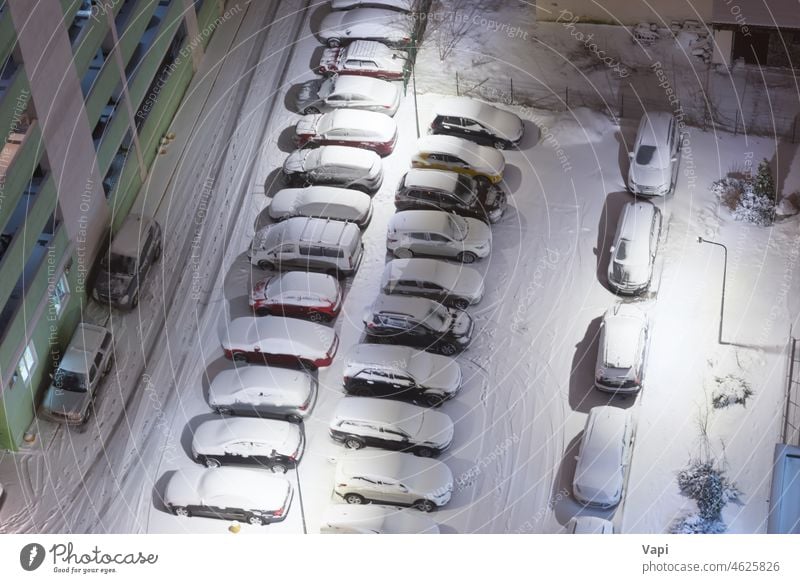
529,372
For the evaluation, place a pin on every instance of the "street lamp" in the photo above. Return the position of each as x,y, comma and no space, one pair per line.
413,78
724,277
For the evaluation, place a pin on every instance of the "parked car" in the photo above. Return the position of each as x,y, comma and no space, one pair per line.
244,494
656,155
438,234
316,296
621,350
332,247
351,91
278,340
453,285
633,253
344,127
450,191
375,519
477,121
419,322
589,525
342,166
366,58
393,478
123,268
269,443
89,356
360,422
263,391
603,457
322,202
459,155
401,372
401,5
387,26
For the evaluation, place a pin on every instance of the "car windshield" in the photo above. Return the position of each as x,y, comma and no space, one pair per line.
464,190
122,264
67,380
459,226
644,156
438,318
622,250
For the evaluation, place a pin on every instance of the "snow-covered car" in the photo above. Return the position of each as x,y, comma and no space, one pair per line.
438,234
387,26
656,154
477,121
342,166
589,525
134,249
621,350
322,202
459,155
401,372
389,477
244,494
89,356
603,457
263,391
332,247
633,252
450,191
304,294
350,91
375,519
419,322
344,127
366,58
402,5
360,422
450,284
279,340
268,443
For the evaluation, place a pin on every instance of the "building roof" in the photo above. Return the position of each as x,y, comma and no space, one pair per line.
757,13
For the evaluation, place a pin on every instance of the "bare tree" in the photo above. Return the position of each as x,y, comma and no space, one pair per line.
454,19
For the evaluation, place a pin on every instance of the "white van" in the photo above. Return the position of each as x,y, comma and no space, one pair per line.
333,247
633,253
656,155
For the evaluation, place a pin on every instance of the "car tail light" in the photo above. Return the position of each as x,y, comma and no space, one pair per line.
370,324
347,380
293,457
303,407
278,512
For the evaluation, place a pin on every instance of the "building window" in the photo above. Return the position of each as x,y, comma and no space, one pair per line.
26,365
60,295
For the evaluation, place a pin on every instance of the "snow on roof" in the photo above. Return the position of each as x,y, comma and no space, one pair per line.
435,179
503,122
83,346
266,379
370,87
345,157
303,283
757,13
233,487
132,233
423,474
421,220
279,335
215,433
371,121
330,201
598,474
369,49
474,154
637,218
308,230
623,328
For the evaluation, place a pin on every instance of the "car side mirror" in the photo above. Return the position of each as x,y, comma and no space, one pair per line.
612,249
577,458
630,155
674,159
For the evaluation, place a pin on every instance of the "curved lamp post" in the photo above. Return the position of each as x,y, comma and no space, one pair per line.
724,277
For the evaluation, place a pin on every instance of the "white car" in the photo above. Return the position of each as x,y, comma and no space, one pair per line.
603,457
655,156
441,152
390,477
387,26
401,372
438,234
402,5
453,285
342,166
367,58
633,252
621,350
279,340
322,202
268,443
589,525
477,121
350,91
263,391
375,519
344,127
243,494
303,294
360,422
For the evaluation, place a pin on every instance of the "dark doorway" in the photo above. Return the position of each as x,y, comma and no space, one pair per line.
752,47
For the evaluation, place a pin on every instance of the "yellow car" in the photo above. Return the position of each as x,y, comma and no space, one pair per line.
460,155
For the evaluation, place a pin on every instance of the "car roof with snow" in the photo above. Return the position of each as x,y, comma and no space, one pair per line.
372,19
599,470
370,122
423,474
406,5
493,118
369,49
426,221
445,180
227,487
652,126
280,335
365,86
386,411
422,365
216,433
308,230
635,222
345,157
261,383
131,235
623,326
301,284
420,309
289,200
83,347
472,153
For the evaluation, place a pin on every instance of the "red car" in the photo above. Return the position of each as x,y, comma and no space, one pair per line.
348,127
367,58
316,296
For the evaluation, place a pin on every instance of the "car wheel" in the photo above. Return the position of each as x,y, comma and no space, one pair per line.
423,452
334,43
425,505
266,265
447,349
433,400
212,463
403,253
239,357
278,468
467,257
354,499
310,110
181,511
255,520
354,443
500,145
461,303
294,418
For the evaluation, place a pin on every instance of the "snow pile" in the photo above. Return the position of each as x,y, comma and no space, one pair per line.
731,390
751,200
708,486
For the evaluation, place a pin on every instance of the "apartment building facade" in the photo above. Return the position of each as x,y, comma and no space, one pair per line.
87,90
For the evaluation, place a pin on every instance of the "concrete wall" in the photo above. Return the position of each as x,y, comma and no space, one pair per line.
627,12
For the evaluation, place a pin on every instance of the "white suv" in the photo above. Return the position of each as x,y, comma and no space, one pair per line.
621,351
438,234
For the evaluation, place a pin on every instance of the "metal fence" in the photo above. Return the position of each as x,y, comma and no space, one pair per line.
791,414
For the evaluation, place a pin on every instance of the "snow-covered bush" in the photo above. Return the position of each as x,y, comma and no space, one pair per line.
693,523
731,390
710,488
751,200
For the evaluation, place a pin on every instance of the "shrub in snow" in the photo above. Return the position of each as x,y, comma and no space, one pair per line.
764,184
695,524
748,198
730,390
709,487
